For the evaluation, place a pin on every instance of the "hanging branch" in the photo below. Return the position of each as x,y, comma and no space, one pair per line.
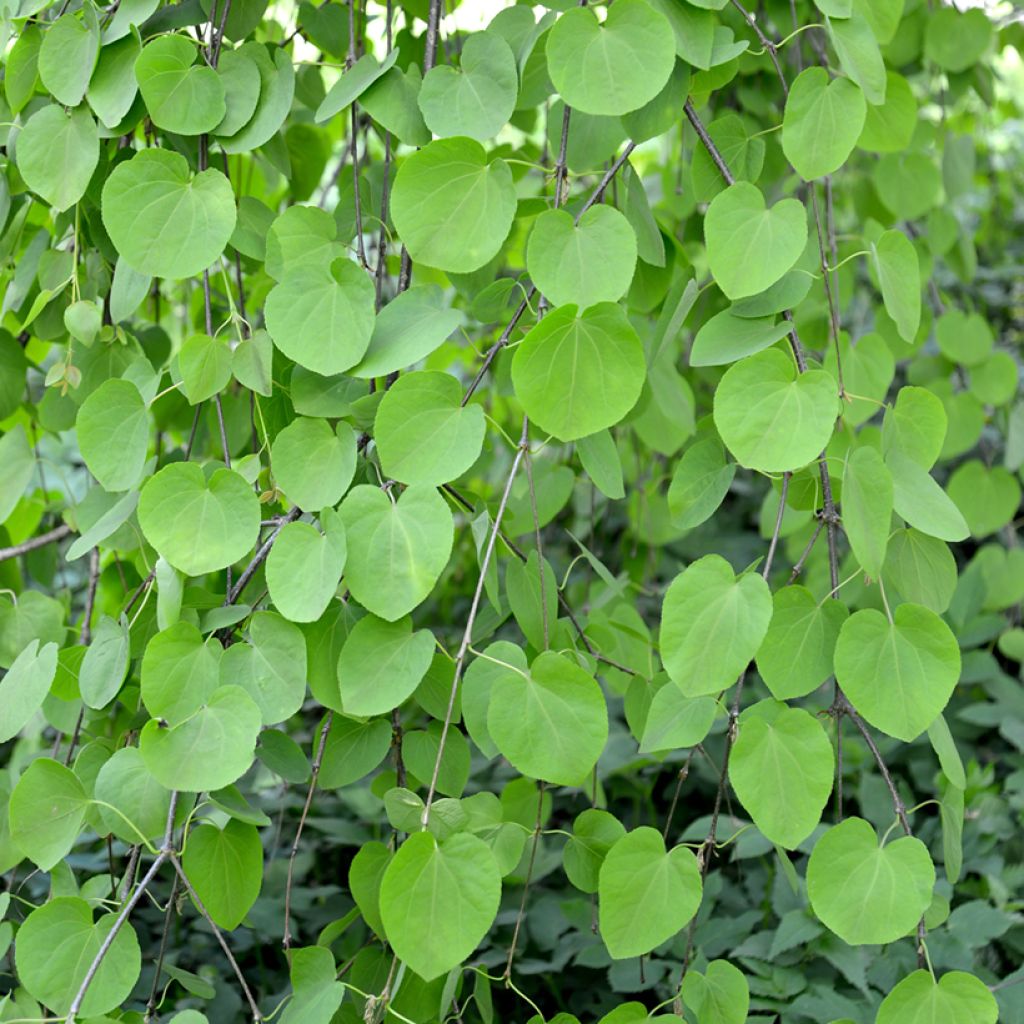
34,543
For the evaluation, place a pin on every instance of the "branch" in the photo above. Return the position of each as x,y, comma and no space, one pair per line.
58,533
260,557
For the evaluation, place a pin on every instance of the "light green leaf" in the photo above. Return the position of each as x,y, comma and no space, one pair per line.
727,337
209,750
719,996
600,460
57,153
675,721
916,655
46,812
916,425
899,277
411,536
381,665
749,245
277,90
106,662
163,220
477,97
125,782
25,686
781,767
964,337
181,96
313,464
407,330
944,746
113,428
645,894
955,997
919,499
822,122
225,867
576,373
921,568
987,497
551,722
240,75
179,672
205,365
353,750
56,947
859,55
17,467
955,39
585,263
304,568
271,668
594,833
712,623
889,128
423,433
453,208
353,83
795,657
868,894
68,55
867,508
199,525
438,900
322,317
317,993
611,67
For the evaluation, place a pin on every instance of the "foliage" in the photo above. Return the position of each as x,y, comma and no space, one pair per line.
514,524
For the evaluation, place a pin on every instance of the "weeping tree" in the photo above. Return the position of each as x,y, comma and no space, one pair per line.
510,514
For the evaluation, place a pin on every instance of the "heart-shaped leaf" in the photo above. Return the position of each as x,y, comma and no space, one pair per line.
113,428
304,568
917,656
955,997
181,96
225,867
199,525
865,893
313,464
822,122
750,246
164,221
57,154
25,686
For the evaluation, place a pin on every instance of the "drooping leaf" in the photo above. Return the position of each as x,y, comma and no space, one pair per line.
225,867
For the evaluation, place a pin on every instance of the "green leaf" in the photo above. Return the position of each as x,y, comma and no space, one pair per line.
225,867
750,246
916,654
645,894
381,665
532,602
955,997
478,97
423,433
353,83
412,536
240,76
795,657
576,373
271,668
106,662
57,153
919,499
614,67
317,993
68,55
277,90
987,498
438,900
594,833
164,221
199,525
313,464
478,683
867,508
822,122
718,996
899,277
25,686
181,96
712,623
17,467
889,128
407,330
551,722
353,750
727,337
675,721
179,672
113,428
125,782
46,812
771,417
954,40
582,264
944,746
921,568
781,767
364,878
453,208
600,459
21,67
56,947
964,337
205,365
865,893
859,56
915,424
304,568
209,750
322,317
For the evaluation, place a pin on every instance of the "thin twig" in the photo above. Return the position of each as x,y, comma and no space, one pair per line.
33,543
